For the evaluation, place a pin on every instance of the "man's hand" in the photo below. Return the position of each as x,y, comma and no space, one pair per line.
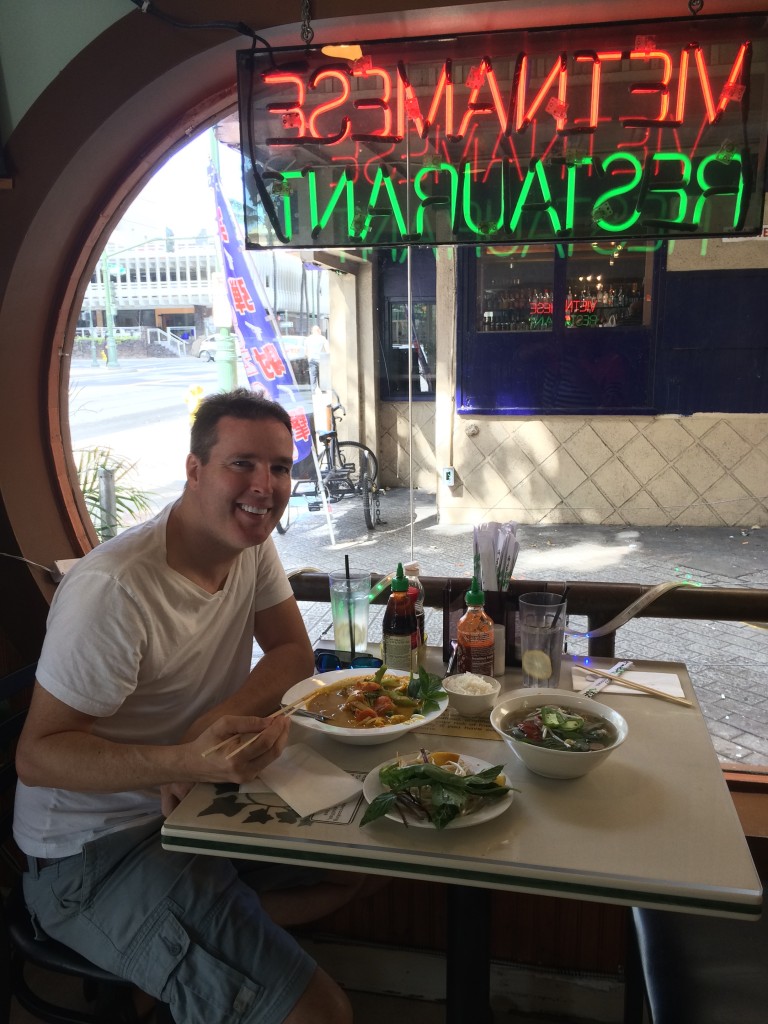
251,744
171,795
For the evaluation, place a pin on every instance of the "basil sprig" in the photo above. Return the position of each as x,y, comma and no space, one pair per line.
428,689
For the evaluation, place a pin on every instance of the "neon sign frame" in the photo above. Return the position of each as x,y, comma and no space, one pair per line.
633,130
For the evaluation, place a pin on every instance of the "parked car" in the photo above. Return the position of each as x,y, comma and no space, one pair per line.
207,349
293,347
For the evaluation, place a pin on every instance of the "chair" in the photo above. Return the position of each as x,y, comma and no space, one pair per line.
18,945
700,970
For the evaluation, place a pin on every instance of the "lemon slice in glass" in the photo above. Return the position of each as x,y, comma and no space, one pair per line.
537,664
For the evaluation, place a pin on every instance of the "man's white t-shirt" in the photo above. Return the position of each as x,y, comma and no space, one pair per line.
145,651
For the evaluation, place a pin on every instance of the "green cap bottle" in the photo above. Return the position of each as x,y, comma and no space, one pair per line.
475,595
400,582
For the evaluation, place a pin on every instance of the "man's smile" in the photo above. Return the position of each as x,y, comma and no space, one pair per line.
252,509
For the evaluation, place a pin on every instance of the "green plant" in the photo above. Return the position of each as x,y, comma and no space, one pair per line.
130,502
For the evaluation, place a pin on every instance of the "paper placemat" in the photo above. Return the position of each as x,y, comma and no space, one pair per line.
451,723
664,682
307,781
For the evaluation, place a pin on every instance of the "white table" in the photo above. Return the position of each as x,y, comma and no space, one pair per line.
653,826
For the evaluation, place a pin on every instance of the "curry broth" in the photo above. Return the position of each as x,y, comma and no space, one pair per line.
331,701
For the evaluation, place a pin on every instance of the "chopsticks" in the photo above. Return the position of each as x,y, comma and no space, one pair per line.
636,686
286,709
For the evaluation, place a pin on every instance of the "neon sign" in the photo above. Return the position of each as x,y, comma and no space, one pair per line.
631,130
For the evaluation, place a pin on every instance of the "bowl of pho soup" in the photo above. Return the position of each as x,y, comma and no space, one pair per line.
558,733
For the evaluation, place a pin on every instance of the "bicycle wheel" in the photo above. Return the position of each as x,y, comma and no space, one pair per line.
335,482
367,486
285,520
351,457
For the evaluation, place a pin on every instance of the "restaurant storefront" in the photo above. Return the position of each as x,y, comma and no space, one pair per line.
615,414
550,218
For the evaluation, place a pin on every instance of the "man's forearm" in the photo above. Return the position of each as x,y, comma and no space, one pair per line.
86,763
77,760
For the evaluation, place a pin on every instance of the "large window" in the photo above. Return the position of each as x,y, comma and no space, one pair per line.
556,328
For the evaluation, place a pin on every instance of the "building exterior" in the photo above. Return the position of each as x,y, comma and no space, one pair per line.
165,291
674,454
693,452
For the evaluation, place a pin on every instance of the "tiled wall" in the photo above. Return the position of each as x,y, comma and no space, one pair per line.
702,470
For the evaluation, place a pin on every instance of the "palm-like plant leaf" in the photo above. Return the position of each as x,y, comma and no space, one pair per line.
130,501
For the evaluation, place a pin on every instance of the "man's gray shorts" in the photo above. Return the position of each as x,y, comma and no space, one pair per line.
183,928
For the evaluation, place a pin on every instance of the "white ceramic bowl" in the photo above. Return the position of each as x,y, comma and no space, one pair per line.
471,705
361,737
555,764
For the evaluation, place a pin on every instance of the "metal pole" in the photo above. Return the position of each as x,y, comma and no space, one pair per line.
109,312
409,302
107,502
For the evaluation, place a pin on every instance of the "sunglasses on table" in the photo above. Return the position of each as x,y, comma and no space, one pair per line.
329,661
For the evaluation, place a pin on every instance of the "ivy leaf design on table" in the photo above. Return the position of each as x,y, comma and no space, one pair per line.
287,815
260,815
223,803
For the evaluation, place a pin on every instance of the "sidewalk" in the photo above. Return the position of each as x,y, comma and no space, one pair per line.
727,661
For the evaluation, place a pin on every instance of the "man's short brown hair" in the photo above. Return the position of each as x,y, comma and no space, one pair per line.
240,404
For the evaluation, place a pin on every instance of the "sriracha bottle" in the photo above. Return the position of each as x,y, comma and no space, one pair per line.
474,635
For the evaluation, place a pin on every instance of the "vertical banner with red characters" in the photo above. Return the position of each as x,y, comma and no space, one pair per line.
261,350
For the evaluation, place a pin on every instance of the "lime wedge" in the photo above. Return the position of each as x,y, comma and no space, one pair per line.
537,664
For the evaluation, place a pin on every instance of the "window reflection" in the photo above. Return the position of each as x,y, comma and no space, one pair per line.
520,289
395,351
398,320
516,289
605,287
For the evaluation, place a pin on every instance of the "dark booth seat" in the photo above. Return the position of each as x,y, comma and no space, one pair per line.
703,970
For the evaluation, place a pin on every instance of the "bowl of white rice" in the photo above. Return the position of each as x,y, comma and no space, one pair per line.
470,694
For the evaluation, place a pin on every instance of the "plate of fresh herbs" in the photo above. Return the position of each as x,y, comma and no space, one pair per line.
436,790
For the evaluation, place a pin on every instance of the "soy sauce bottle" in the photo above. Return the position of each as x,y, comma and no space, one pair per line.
400,631
474,635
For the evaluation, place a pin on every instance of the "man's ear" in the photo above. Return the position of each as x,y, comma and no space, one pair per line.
193,466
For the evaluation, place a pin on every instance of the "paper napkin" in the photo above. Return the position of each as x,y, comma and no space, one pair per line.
307,781
664,682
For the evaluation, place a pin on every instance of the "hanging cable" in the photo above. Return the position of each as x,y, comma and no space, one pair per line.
307,32
148,7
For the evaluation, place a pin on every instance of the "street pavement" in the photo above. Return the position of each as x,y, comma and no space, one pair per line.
727,661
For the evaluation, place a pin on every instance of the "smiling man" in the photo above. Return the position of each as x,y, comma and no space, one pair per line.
146,665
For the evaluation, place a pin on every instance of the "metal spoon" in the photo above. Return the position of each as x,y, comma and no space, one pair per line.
310,714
